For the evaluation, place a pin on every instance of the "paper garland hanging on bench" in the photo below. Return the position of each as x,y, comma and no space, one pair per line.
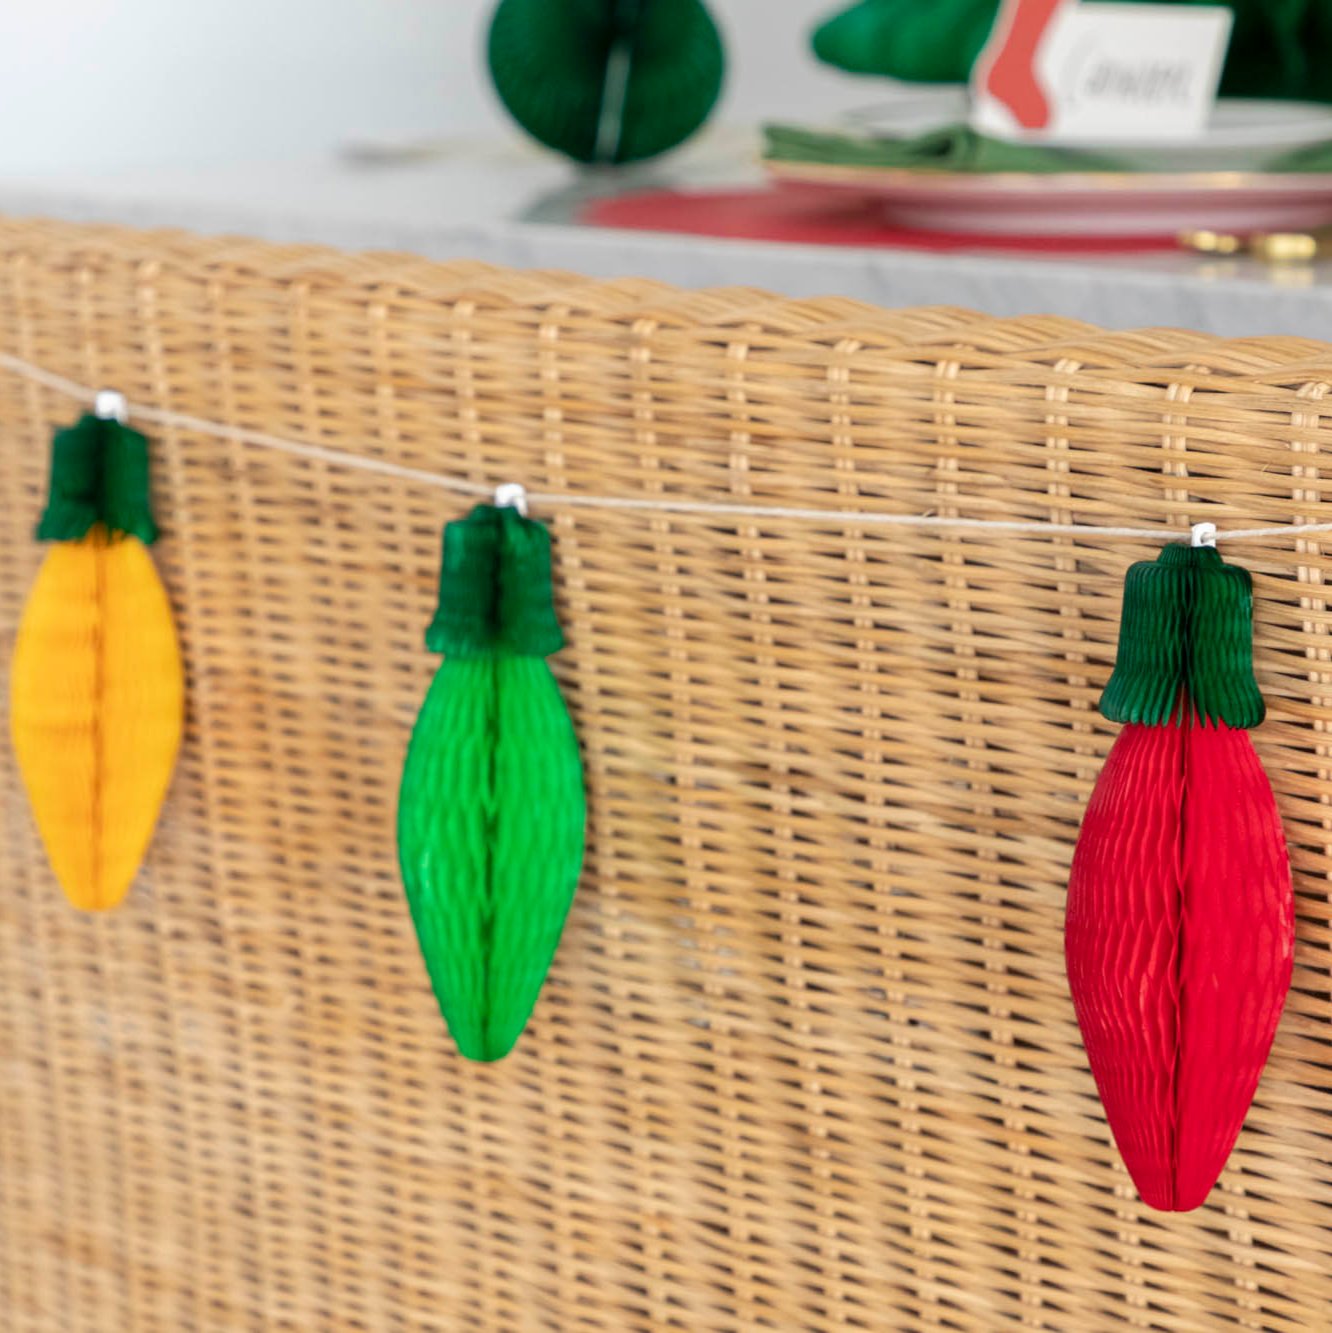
491,810
96,684
1180,925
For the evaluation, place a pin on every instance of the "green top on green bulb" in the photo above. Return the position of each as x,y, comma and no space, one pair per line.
1185,643
99,474
495,591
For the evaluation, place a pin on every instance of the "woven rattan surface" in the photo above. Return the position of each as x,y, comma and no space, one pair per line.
807,1058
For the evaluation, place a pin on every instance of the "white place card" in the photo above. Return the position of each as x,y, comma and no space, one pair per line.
1065,71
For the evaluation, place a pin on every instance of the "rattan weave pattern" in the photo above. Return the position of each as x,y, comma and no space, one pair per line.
806,1060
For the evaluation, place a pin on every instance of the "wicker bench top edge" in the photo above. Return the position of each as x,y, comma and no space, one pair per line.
835,326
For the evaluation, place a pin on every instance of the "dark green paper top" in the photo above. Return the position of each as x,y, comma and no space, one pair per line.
99,474
1185,643
495,588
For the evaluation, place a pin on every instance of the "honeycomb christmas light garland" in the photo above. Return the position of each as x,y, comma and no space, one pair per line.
96,684
1180,913
1180,925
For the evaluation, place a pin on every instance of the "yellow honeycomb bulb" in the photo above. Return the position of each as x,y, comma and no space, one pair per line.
96,682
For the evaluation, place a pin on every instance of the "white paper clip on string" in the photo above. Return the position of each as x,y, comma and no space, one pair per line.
1203,534
110,405
512,495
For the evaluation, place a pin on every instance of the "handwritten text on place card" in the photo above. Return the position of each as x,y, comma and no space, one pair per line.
1065,72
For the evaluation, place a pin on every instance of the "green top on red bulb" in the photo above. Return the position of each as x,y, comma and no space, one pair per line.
1185,643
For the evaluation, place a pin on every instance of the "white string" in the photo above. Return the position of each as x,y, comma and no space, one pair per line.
649,504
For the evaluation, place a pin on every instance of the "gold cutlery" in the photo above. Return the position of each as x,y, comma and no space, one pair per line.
1273,247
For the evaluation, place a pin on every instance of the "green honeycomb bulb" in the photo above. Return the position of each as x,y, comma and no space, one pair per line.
491,810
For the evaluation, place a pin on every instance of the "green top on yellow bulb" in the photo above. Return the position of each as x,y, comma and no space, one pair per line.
99,474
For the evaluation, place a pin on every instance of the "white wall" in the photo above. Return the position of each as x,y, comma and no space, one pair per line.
103,84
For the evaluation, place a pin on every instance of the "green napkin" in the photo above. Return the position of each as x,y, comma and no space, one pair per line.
1312,157
960,148
951,148
1278,48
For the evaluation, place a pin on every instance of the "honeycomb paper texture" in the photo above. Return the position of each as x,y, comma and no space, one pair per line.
1180,925
1179,939
491,811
